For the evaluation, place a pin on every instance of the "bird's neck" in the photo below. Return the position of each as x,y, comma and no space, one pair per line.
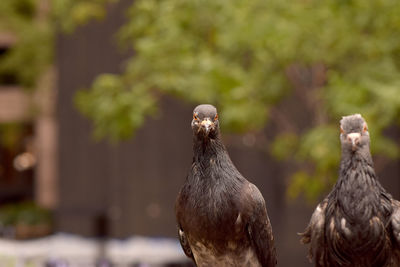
358,193
356,165
357,189
206,147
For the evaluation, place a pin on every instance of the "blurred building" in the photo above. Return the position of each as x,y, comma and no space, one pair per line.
27,139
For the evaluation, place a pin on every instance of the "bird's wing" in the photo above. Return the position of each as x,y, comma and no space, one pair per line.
182,236
395,220
185,244
315,235
259,227
395,223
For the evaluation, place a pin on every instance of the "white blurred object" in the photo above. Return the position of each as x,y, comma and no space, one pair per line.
144,250
24,161
84,252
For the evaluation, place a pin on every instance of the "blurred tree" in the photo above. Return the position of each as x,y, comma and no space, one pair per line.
338,57
27,48
246,57
68,14
27,30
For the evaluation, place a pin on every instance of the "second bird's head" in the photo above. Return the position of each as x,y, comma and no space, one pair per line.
354,133
205,121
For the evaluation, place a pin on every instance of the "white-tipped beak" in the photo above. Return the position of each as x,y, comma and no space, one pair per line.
354,138
206,124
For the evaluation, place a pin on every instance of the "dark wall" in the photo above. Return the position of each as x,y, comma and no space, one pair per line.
130,188
84,167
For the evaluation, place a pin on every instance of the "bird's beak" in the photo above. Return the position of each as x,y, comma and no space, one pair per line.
207,124
354,138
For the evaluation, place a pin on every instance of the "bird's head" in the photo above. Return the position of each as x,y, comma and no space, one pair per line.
354,133
205,121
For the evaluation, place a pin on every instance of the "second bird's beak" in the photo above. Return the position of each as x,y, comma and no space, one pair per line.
354,138
207,124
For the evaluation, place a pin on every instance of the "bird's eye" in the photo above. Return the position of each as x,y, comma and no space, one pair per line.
341,130
195,117
216,117
365,128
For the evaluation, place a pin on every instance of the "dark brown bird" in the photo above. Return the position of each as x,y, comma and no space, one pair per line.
358,223
222,218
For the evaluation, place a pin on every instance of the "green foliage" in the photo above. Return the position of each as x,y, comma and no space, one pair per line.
10,134
184,50
29,57
283,145
115,110
26,213
242,56
237,60
27,29
311,185
16,13
71,13
237,55
31,40
318,152
31,29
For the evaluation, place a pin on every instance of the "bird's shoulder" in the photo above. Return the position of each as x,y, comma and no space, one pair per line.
252,207
314,234
395,220
254,213
316,225
251,195
395,227
208,200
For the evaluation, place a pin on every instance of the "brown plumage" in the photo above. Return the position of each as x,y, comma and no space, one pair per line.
222,218
358,223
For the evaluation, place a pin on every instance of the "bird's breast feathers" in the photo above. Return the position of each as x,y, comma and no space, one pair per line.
205,255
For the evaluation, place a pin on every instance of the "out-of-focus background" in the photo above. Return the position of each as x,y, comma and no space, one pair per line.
96,99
